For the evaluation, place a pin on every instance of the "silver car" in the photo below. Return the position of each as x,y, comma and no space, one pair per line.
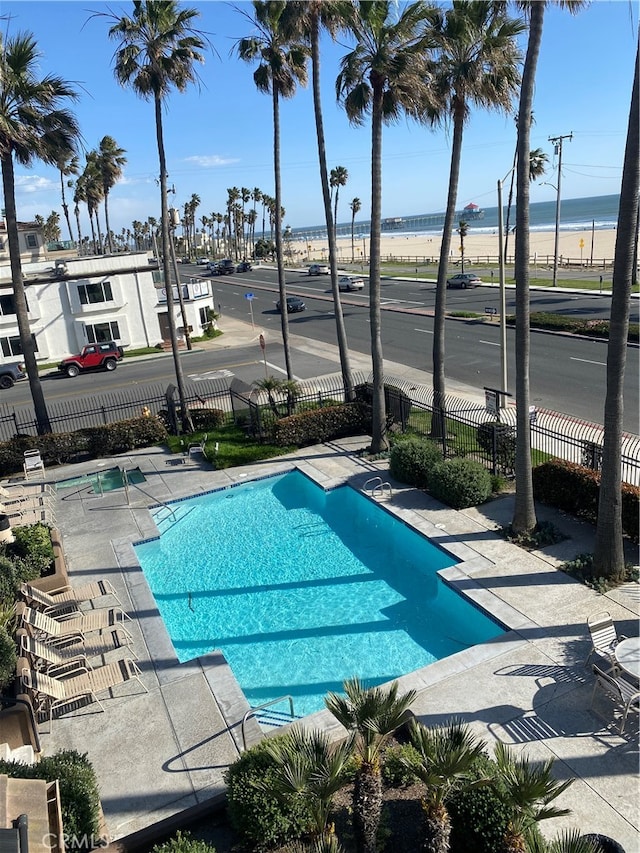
350,282
319,269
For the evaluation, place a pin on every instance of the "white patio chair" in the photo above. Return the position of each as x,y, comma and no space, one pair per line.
33,463
604,637
625,695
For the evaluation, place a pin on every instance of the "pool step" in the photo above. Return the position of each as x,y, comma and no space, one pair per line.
269,719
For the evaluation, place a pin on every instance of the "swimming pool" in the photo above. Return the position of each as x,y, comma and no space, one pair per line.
302,588
103,481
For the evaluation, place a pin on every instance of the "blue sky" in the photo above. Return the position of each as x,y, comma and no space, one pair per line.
220,134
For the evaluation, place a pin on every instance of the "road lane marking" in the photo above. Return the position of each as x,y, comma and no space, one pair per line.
587,361
489,343
424,331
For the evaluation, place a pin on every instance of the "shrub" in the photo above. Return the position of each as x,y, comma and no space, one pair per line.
7,659
499,439
78,788
395,770
31,552
183,842
412,461
262,819
204,419
8,583
479,819
460,483
325,424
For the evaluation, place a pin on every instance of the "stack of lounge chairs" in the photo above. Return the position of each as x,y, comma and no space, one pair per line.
64,648
27,504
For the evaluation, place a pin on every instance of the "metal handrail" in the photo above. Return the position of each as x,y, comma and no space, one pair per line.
374,481
253,711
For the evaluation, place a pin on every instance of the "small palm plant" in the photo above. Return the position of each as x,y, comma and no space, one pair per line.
447,757
371,715
529,789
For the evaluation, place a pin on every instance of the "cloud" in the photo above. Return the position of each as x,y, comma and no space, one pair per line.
210,161
33,183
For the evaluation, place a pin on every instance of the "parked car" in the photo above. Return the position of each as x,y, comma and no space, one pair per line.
464,280
212,267
103,356
319,269
185,260
294,304
202,262
11,373
244,266
226,267
350,282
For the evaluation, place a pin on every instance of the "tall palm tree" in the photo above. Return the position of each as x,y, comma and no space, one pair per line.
158,48
331,16
111,158
524,514
447,757
245,195
282,65
67,166
609,552
476,64
463,228
78,198
94,195
383,75
528,790
356,206
34,125
338,178
538,161
233,194
371,715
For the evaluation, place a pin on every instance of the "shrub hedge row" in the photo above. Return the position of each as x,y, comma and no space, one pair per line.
324,424
575,325
62,447
412,460
575,489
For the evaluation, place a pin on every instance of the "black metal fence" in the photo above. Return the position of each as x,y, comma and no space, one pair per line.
467,429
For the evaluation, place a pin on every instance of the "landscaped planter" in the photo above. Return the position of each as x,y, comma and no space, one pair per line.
59,577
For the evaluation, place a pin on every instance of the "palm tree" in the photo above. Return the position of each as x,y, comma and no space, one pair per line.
78,197
447,757
34,124
338,178
281,66
528,791
475,63
94,194
538,161
233,194
383,75
371,715
609,551
67,166
356,206
111,158
310,766
332,16
463,228
157,52
524,514
569,841
245,195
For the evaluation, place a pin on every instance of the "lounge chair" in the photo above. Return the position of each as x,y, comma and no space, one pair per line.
50,693
76,624
22,491
198,449
69,598
604,637
624,694
63,651
33,463
35,499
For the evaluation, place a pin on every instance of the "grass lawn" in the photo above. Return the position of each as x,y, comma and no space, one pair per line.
234,446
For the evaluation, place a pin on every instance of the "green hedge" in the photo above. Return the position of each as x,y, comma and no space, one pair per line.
460,483
8,659
575,325
413,459
324,424
28,557
575,489
183,842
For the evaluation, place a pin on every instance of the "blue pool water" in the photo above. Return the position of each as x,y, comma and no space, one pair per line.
302,589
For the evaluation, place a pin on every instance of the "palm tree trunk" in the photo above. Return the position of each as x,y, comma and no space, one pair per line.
106,222
341,332
509,202
93,231
437,829
438,421
609,551
187,425
65,207
353,251
367,808
524,516
77,214
282,287
26,340
379,426
100,242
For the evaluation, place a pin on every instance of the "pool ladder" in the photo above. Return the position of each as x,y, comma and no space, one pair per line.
379,490
274,719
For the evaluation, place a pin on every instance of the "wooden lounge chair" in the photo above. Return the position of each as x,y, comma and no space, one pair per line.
625,695
45,655
33,464
77,624
50,693
604,637
68,597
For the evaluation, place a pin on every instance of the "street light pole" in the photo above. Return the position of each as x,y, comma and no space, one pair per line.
503,299
557,141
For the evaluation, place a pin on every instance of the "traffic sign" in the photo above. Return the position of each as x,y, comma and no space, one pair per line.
490,310
491,401
249,296
262,343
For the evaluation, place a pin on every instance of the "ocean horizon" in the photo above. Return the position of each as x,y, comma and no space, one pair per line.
576,214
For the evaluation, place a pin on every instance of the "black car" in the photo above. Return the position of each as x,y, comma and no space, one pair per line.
294,304
11,373
226,267
244,266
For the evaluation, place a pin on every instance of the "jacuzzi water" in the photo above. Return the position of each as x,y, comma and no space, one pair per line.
103,481
302,589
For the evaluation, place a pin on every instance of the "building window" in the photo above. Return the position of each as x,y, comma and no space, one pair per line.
11,346
100,333
32,241
7,305
1,244
90,294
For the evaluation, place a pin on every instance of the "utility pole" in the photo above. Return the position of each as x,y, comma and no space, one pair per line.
557,142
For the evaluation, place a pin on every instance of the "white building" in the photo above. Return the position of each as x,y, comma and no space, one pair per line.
83,300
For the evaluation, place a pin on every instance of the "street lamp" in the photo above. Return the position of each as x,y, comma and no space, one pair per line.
503,298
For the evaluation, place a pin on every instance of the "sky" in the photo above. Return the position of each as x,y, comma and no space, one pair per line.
219,134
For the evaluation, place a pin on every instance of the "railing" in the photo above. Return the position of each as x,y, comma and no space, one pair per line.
378,488
253,711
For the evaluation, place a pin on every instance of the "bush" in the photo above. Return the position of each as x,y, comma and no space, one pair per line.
479,819
262,819
126,435
204,419
31,552
7,659
8,583
395,771
413,459
460,483
495,437
323,424
78,788
183,842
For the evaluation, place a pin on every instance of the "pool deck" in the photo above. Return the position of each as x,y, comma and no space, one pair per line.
164,751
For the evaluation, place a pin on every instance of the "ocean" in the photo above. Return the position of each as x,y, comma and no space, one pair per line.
576,214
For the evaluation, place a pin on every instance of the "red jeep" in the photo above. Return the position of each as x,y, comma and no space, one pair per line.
93,357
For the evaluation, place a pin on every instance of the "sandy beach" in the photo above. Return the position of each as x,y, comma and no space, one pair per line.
574,246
